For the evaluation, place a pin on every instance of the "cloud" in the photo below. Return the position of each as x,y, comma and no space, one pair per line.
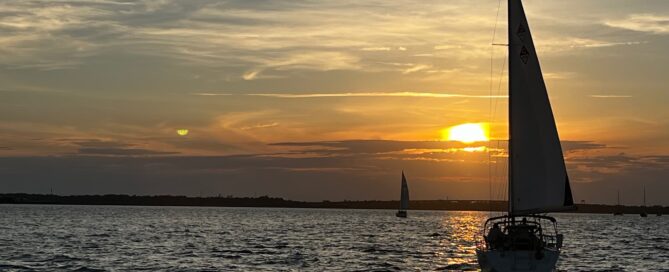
376,49
651,23
324,61
416,68
251,75
360,94
610,96
447,47
212,94
609,44
112,148
562,45
320,36
266,125
121,151
571,146
558,75
422,148
251,40
336,170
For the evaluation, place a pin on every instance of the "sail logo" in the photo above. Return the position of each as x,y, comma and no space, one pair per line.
521,32
524,55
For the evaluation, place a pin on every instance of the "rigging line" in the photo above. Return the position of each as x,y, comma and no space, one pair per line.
499,91
497,178
499,87
492,54
492,51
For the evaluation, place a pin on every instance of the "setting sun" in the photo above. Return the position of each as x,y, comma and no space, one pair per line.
466,133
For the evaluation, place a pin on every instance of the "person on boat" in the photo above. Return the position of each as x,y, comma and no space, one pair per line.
495,237
527,236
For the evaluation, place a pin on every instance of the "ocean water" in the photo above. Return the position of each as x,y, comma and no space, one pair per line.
115,238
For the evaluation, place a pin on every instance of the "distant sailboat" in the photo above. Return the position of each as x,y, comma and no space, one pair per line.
619,208
404,198
643,208
538,181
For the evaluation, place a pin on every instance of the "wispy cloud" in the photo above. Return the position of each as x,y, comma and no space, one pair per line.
267,125
376,49
657,24
251,75
609,44
362,94
213,94
610,96
417,68
112,148
568,44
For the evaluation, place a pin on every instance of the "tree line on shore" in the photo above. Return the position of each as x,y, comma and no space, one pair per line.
267,201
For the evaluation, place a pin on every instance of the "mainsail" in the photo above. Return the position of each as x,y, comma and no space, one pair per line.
404,198
538,180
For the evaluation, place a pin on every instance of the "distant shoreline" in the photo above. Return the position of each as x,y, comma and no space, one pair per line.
265,201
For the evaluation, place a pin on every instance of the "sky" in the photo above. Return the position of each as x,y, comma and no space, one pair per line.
321,100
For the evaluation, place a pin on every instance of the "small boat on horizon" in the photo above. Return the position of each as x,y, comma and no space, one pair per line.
404,198
643,208
619,208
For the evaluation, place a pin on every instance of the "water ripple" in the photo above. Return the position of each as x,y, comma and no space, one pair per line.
101,238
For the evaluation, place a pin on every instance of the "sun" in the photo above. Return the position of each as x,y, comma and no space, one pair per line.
466,133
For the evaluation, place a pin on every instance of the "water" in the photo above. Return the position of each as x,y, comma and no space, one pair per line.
111,238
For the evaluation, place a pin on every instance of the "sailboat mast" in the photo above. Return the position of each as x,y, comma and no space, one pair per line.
510,160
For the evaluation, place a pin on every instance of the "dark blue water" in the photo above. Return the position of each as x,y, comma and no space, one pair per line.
110,238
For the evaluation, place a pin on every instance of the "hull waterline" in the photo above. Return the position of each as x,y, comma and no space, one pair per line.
523,260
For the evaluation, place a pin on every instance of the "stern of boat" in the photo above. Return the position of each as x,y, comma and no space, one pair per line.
527,243
501,261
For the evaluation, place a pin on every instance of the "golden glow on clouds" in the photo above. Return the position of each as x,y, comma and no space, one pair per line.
467,133
359,94
319,70
475,149
428,151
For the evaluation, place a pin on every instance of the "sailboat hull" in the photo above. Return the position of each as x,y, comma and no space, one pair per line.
521,260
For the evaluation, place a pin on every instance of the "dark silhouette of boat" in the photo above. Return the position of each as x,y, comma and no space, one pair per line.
643,208
525,239
619,208
404,198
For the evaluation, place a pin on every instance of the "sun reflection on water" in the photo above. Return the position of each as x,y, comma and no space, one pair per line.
461,243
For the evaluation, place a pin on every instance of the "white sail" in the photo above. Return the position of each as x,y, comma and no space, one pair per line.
404,198
538,180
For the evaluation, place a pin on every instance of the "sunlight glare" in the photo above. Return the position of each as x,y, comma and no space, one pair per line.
467,133
182,132
475,149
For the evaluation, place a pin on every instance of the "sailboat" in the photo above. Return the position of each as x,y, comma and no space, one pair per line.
619,209
404,198
525,239
643,208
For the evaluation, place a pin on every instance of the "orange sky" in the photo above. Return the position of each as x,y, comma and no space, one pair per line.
114,81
